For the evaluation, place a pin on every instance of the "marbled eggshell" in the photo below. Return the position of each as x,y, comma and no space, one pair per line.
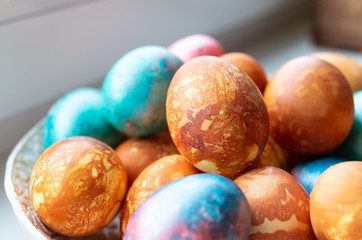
336,202
351,148
216,116
203,207
196,45
137,153
156,175
135,89
274,155
77,186
279,204
79,113
249,65
310,105
308,173
351,69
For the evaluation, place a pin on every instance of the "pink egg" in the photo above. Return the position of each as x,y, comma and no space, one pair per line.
196,45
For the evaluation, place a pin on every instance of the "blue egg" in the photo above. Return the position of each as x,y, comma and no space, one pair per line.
79,113
135,90
308,173
351,148
202,206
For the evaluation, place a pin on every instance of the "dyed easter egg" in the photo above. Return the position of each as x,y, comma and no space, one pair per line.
156,175
77,186
196,45
279,204
336,202
308,173
79,113
310,106
250,66
137,153
203,206
135,89
349,67
216,116
274,155
351,148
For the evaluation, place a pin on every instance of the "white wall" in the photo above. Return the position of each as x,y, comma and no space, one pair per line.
46,55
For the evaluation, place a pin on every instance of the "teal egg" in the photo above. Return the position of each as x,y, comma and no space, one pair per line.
135,90
351,148
79,113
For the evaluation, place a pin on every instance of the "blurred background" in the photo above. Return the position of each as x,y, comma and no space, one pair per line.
48,48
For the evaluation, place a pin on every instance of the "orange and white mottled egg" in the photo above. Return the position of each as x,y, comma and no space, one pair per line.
137,153
156,175
216,116
249,65
77,186
336,202
279,204
310,106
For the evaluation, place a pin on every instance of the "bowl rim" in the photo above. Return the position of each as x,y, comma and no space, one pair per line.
9,186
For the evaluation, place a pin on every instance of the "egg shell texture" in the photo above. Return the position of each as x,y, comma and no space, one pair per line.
310,106
135,89
336,202
308,173
79,113
137,153
249,65
156,175
196,45
202,206
216,116
279,204
77,186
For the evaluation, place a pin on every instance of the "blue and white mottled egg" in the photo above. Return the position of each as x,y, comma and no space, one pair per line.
79,113
351,148
308,173
202,206
135,89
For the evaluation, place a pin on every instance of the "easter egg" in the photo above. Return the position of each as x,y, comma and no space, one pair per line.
351,148
137,153
216,116
351,69
79,113
202,206
135,89
310,105
274,155
77,186
279,204
156,175
196,45
336,202
249,65
308,173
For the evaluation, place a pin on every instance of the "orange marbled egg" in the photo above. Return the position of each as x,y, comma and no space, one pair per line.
336,202
249,65
156,175
351,69
279,205
137,153
216,116
310,105
77,186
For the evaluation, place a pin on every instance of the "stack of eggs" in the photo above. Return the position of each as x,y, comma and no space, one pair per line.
188,142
